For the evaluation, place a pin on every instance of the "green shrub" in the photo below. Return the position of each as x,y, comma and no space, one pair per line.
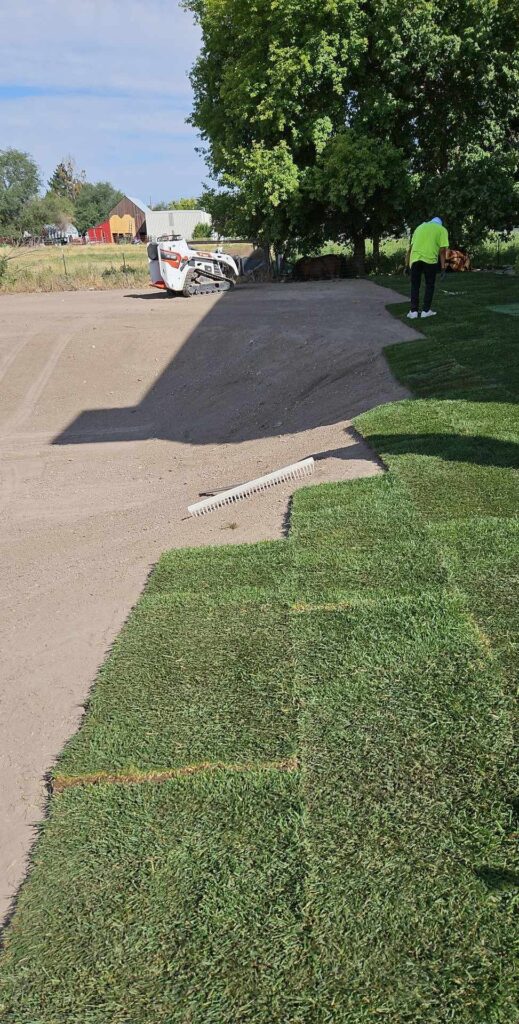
116,271
496,251
201,230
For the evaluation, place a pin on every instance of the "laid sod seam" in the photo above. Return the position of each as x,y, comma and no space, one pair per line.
164,904
404,737
241,572
209,676
190,679
61,782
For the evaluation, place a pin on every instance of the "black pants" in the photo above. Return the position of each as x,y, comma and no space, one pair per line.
429,271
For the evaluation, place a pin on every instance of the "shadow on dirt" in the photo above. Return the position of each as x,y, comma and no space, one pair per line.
155,294
264,361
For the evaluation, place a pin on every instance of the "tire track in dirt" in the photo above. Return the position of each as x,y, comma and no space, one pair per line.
14,352
35,390
9,475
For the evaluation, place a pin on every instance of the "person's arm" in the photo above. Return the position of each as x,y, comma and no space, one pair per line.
444,238
408,258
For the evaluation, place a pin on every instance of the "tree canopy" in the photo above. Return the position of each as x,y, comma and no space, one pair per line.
361,115
67,181
70,198
51,209
94,203
187,203
19,184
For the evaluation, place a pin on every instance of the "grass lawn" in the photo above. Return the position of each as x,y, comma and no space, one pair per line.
333,836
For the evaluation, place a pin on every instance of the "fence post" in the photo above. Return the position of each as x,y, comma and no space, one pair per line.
64,263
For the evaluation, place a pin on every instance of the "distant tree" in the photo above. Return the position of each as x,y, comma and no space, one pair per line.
51,209
201,230
67,180
231,217
184,204
19,184
94,203
178,204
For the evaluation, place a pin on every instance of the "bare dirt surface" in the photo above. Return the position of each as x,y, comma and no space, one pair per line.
116,410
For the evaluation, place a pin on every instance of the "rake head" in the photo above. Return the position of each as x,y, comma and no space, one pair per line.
296,471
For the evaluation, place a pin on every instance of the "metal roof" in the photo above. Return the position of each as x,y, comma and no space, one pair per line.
63,229
137,202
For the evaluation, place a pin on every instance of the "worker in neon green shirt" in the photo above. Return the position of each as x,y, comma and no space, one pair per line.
429,244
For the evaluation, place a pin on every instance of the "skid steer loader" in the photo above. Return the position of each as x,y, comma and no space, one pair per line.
179,270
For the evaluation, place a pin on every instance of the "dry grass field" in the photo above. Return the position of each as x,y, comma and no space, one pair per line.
56,268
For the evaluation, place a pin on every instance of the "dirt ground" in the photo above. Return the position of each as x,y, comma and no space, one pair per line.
116,410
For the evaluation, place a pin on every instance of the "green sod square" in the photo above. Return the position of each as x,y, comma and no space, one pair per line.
484,558
450,490
161,903
455,458
233,572
404,736
361,537
190,680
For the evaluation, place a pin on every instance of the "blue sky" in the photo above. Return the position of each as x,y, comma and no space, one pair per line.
106,82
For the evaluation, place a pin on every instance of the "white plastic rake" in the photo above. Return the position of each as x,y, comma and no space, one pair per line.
296,471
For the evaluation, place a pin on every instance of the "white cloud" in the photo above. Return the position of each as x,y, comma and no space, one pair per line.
110,87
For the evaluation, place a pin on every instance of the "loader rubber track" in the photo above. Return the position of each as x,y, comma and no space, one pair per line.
194,287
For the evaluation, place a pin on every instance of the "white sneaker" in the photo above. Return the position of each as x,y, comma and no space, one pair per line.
412,315
430,312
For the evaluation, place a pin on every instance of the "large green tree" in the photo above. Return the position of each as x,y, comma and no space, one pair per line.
358,114
67,181
94,203
19,184
51,209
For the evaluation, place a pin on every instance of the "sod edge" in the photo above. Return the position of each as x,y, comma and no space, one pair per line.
61,782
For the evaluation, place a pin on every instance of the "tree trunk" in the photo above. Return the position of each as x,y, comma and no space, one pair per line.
265,244
278,261
376,249
359,254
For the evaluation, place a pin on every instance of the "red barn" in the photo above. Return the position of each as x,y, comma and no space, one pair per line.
101,232
126,221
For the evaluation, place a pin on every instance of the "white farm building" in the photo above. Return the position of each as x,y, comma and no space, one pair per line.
175,222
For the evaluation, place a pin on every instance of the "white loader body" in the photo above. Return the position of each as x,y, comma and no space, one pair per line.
176,268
